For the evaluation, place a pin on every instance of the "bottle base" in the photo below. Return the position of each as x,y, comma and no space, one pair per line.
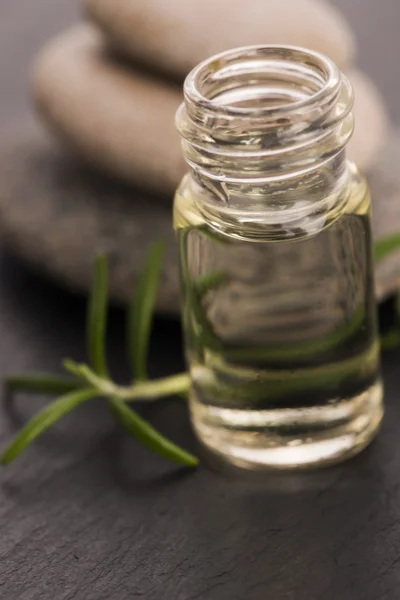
298,438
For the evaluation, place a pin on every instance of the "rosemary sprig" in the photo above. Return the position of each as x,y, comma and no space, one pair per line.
147,435
43,420
386,245
41,383
97,317
383,248
141,311
141,390
92,381
89,381
391,339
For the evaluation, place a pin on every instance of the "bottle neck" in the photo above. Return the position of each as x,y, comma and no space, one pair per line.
274,210
264,129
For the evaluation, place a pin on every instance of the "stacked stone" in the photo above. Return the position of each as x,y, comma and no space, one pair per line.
108,90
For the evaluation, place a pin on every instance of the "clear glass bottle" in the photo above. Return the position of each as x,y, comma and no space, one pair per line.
273,227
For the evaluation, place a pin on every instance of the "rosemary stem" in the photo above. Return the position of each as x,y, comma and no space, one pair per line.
156,388
140,390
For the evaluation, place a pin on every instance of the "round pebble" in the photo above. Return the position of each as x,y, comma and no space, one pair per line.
176,35
57,215
123,122
115,117
371,122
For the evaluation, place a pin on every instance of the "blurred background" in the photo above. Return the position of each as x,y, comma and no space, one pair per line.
25,25
89,157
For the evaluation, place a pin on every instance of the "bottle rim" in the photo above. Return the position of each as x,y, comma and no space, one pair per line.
225,63
260,112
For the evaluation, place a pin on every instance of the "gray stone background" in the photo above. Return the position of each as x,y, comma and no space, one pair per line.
376,23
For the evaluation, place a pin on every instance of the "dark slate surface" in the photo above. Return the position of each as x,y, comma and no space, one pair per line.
89,515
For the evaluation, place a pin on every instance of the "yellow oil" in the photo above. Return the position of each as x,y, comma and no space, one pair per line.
280,332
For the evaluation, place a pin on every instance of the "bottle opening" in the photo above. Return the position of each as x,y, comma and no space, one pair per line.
256,81
264,112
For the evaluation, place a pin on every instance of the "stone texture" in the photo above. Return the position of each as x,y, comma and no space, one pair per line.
123,122
176,35
384,181
371,121
116,118
57,215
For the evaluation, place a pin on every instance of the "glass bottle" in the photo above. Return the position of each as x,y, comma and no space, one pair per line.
273,228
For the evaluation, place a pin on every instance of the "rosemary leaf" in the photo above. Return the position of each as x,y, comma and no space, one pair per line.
148,436
97,317
43,420
390,340
141,310
209,281
41,383
382,248
386,246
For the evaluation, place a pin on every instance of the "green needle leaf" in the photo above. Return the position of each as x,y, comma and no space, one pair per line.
141,310
38,383
386,246
43,420
148,436
97,317
209,282
382,249
390,340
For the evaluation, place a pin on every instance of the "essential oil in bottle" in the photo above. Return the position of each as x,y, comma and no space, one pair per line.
273,228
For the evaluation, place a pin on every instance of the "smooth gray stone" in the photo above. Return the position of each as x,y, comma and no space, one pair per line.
384,181
57,215
115,117
122,121
176,35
